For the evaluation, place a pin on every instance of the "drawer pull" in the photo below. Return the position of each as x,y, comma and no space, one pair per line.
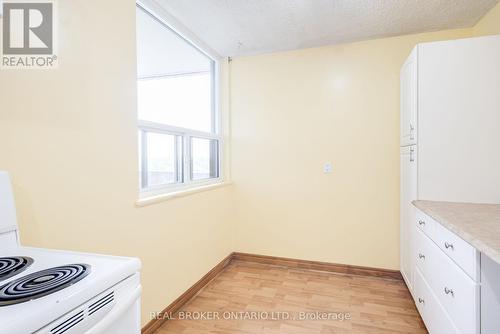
421,256
449,291
421,301
421,223
448,245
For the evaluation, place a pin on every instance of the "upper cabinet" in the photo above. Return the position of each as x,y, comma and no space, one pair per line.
450,109
409,91
458,120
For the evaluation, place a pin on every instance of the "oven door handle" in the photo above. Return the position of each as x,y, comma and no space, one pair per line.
116,312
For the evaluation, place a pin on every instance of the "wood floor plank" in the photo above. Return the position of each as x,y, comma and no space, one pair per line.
285,296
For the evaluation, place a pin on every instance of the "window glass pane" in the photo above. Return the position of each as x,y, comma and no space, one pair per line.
175,79
204,158
161,159
183,101
175,86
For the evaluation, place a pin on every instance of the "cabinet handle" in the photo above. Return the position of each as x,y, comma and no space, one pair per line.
421,256
448,245
449,291
421,301
421,223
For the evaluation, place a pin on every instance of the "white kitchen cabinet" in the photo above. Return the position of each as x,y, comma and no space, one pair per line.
454,289
450,112
453,293
458,115
408,176
490,296
432,312
450,105
408,88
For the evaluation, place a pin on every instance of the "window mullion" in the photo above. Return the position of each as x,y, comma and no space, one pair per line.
178,164
187,159
144,160
174,130
214,97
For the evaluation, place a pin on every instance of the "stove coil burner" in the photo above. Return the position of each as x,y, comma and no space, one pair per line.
13,265
41,283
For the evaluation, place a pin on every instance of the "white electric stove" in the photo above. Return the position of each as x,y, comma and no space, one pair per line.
54,292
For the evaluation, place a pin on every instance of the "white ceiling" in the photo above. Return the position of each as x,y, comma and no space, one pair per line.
243,27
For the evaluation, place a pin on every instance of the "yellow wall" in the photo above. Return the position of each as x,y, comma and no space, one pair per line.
68,137
293,111
490,24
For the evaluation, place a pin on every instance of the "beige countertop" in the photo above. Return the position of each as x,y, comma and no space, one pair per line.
478,224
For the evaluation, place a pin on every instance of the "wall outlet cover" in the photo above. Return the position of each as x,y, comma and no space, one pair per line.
327,168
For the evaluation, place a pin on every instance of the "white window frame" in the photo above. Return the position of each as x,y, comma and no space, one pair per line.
156,11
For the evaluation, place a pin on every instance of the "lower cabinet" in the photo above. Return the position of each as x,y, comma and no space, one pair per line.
446,288
490,296
435,317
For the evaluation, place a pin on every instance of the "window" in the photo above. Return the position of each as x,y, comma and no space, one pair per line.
179,137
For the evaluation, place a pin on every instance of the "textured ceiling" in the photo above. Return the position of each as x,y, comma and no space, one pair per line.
242,27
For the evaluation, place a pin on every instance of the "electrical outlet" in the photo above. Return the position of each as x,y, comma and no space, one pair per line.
327,168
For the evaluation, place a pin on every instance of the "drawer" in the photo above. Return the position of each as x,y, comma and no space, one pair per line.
435,318
425,224
466,256
453,288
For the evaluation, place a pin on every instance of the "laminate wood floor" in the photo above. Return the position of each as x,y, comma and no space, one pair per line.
275,299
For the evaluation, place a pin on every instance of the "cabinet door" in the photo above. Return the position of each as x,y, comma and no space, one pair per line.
409,87
408,194
490,295
458,120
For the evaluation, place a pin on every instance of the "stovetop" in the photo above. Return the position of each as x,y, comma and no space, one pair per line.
41,283
45,284
13,265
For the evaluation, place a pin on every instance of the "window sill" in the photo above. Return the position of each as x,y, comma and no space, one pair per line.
181,193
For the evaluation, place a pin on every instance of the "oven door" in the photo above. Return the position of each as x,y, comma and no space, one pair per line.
124,318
